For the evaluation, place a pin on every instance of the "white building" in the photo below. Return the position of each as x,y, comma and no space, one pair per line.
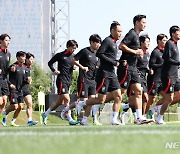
28,24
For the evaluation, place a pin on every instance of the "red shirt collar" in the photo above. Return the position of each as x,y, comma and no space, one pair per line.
174,41
4,50
20,64
144,51
66,52
28,66
161,49
114,40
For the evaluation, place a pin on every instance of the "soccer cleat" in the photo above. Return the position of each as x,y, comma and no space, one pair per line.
97,123
115,122
160,122
73,122
83,123
44,118
143,121
79,107
4,121
63,114
14,124
122,116
31,123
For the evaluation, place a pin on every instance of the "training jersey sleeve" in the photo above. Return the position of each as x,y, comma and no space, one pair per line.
52,61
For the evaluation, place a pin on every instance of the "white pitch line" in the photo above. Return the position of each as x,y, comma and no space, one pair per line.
104,132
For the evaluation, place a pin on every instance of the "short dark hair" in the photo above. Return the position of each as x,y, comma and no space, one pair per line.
160,37
138,17
142,38
173,29
29,55
71,43
2,36
20,53
95,38
114,25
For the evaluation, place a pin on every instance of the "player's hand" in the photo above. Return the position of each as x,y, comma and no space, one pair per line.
56,72
12,86
140,53
151,72
0,71
29,80
85,69
117,64
124,63
13,68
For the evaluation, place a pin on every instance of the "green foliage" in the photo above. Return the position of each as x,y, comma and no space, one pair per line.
73,87
41,80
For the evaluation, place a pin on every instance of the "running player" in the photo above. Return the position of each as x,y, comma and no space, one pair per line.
63,81
169,73
87,61
17,78
4,64
106,78
130,47
154,79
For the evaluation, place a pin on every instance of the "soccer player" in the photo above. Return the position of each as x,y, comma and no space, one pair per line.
87,61
17,78
130,47
106,78
154,79
63,81
169,73
143,69
4,64
26,91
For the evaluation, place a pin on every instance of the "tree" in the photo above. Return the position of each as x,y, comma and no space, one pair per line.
41,80
73,87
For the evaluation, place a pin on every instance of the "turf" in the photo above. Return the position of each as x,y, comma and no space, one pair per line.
106,139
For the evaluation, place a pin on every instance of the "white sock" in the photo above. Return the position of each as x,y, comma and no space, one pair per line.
135,115
84,119
83,103
69,116
48,111
95,109
13,120
125,106
139,113
114,116
30,119
4,112
66,108
160,117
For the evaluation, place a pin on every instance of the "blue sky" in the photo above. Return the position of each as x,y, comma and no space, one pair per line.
95,16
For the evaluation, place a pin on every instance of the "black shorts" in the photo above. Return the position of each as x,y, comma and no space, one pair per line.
154,87
127,77
169,84
177,85
26,90
4,88
63,88
144,85
86,89
16,97
106,84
